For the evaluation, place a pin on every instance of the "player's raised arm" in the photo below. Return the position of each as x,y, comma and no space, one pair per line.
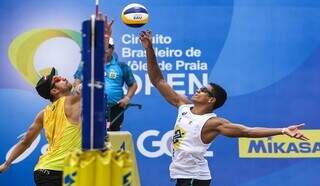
33,131
155,74
227,128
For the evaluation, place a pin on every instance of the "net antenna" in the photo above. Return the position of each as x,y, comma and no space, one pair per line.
97,8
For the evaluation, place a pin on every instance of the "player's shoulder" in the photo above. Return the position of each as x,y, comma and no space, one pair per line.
39,117
40,113
72,99
216,121
185,105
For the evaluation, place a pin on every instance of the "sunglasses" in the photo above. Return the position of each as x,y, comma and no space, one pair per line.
206,90
110,46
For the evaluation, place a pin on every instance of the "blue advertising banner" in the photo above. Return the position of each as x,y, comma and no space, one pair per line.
264,52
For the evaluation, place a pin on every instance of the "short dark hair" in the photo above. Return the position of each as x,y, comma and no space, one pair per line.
219,93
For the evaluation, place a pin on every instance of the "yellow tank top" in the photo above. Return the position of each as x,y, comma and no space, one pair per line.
62,136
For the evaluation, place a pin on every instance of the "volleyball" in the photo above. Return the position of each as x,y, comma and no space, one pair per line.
134,15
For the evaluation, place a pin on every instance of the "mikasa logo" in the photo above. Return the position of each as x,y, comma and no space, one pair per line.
273,147
281,147
137,17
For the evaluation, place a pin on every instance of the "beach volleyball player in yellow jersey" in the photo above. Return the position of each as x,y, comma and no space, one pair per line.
61,123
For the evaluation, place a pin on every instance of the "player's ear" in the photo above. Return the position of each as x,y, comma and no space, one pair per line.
212,100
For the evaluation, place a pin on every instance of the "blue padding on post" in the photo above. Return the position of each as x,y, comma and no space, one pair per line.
99,123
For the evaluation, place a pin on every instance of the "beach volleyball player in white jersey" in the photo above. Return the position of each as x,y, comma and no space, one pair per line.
196,126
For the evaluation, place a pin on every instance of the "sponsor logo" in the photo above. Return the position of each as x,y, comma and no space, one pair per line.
159,147
69,179
178,136
281,146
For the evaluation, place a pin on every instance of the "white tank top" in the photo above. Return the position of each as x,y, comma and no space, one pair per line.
188,149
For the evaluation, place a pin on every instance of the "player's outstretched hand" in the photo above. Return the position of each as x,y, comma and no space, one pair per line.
294,132
3,167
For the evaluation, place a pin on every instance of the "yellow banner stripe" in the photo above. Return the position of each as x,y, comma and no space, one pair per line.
281,146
